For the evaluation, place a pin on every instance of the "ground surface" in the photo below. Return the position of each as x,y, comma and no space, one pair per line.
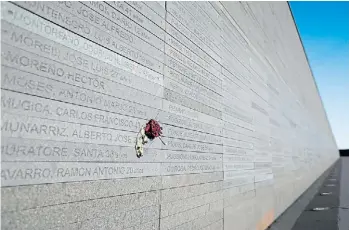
300,216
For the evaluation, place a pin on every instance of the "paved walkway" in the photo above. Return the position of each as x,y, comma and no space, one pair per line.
344,195
330,193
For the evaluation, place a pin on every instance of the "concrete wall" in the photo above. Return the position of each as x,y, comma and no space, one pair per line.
245,128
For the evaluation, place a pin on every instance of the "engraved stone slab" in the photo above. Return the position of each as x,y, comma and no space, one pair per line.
19,81
182,133
173,24
191,84
154,10
186,168
237,166
172,63
180,145
237,158
185,18
21,18
17,103
182,43
120,44
52,51
200,19
19,149
206,62
79,79
191,93
46,129
187,102
155,13
19,60
124,13
23,173
237,143
190,113
237,151
211,74
230,119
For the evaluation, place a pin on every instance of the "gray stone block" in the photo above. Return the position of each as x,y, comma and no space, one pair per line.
186,46
201,20
239,198
193,146
173,25
58,54
140,51
179,67
201,222
152,225
238,122
190,93
190,103
36,128
171,107
154,10
183,217
123,220
185,168
237,158
238,181
182,133
142,15
180,193
48,30
210,73
190,179
24,173
193,85
189,123
33,106
38,196
182,15
22,61
56,90
205,62
52,216
240,215
215,226
172,208
237,151
239,129
79,79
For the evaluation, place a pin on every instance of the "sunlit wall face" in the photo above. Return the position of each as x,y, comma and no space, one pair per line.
244,129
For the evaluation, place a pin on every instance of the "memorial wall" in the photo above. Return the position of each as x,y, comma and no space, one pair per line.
244,129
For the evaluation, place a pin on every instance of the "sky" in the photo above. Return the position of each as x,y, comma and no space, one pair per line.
324,30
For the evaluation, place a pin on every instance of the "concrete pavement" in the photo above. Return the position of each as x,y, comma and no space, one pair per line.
324,206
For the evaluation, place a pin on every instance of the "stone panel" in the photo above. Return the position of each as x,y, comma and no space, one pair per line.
244,129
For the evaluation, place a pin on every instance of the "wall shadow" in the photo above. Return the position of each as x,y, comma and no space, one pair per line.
344,152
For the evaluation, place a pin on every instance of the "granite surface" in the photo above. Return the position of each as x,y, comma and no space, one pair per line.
244,127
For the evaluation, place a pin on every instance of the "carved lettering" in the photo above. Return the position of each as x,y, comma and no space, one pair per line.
33,128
